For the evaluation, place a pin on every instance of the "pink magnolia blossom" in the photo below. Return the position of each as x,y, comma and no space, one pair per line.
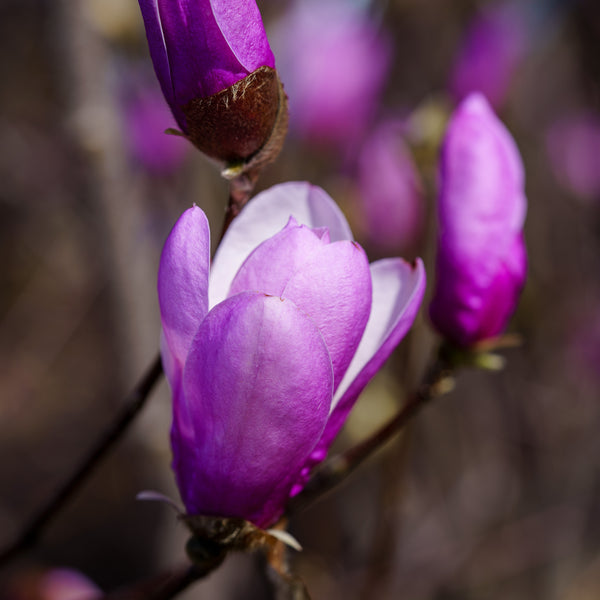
481,260
333,62
493,47
390,189
267,350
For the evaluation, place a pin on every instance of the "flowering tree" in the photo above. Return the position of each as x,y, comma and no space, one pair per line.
272,329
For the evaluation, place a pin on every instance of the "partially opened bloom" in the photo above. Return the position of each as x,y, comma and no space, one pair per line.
266,361
481,260
217,73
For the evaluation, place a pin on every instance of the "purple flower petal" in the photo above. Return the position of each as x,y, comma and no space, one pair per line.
203,47
264,216
334,61
257,385
391,192
398,289
158,48
183,283
331,283
494,45
271,264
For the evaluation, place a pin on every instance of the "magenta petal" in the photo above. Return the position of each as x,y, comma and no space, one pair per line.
398,289
331,283
241,25
258,386
264,216
333,288
157,46
270,266
183,283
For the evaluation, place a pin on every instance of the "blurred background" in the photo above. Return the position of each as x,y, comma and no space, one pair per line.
494,491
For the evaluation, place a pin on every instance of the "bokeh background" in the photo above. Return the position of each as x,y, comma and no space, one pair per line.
494,491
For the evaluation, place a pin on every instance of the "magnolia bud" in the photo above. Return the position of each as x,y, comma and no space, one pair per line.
217,73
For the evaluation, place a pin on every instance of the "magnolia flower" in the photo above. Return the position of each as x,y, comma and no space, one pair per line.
494,45
267,359
334,63
390,190
52,584
481,260
217,72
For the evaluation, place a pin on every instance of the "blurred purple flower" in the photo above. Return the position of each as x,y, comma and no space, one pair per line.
333,61
266,362
52,584
146,117
390,190
573,145
481,260
491,51
66,584
201,47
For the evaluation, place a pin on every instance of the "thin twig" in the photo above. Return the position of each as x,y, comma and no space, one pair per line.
132,405
437,382
240,190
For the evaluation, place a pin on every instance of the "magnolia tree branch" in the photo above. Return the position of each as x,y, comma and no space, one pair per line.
437,382
240,190
132,405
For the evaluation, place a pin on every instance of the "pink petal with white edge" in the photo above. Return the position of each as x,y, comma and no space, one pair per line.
334,289
183,283
270,265
265,215
331,283
398,289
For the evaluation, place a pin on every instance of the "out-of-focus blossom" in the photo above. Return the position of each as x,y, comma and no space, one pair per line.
573,145
390,189
217,72
146,117
491,51
54,584
333,62
266,362
481,260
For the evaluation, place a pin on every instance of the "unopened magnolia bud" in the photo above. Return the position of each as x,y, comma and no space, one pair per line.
217,73
242,126
481,259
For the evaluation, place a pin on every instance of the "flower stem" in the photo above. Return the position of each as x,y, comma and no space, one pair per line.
240,190
437,382
132,405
